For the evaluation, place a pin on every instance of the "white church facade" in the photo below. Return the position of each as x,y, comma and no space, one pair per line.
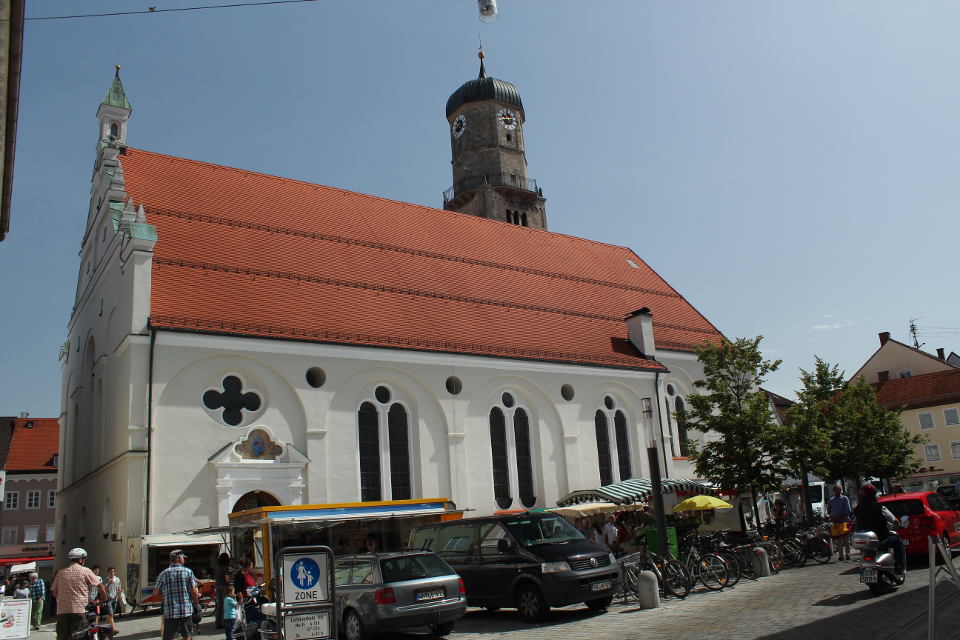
241,339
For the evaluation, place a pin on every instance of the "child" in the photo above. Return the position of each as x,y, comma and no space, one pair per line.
229,612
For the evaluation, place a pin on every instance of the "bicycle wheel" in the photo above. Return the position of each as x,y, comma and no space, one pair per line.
819,550
746,557
794,554
775,558
712,571
630,585
733,565
674,579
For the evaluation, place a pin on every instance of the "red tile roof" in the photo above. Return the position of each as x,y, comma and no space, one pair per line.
33,448
929,389
244,253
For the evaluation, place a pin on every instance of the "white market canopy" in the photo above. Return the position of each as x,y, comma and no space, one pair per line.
633,490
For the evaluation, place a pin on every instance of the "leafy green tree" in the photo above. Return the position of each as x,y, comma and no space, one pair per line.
809,424
867,439
747,453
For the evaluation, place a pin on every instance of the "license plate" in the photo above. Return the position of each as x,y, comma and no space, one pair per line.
601,586
868,575
430,594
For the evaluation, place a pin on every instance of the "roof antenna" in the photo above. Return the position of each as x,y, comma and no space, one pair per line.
913,333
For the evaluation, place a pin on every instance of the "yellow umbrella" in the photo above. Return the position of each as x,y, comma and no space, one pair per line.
702,503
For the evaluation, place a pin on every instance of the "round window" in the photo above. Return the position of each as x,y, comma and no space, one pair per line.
507,400
609,402
454,385
566,392
316,377
382,394
671,391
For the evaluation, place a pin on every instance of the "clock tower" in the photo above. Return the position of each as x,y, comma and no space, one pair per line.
489,161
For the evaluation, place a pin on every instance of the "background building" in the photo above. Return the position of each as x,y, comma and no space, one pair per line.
28,450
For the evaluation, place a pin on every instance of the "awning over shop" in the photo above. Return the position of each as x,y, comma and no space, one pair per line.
593,508
633,490
13,562
380,510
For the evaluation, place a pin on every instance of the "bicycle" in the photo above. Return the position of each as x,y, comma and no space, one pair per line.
671,576
709,568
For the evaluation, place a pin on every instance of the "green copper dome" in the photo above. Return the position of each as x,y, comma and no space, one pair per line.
115,95
484,88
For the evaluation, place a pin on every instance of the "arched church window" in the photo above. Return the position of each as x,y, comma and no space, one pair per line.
523,219
498,449
606,454
384,448
623,445
603,448
511,442
521,430
399,452
682,427
368,424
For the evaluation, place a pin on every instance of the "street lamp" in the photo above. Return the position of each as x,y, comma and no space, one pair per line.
653,457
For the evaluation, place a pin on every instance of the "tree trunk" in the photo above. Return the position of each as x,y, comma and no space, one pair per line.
756,511
805,498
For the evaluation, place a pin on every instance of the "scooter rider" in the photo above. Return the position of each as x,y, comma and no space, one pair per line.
872,516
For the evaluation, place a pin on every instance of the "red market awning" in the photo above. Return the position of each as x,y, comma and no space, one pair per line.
6,562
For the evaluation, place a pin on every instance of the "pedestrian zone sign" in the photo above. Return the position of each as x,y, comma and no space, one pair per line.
305,579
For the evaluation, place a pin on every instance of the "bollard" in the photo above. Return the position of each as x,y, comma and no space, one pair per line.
648,591
761,562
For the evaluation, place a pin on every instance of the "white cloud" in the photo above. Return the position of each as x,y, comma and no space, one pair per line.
830,326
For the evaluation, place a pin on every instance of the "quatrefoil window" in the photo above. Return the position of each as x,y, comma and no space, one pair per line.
232,400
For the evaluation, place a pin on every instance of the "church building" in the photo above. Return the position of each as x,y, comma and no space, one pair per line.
240,339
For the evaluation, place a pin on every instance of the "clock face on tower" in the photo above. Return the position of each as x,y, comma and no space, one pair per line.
507,119
459,126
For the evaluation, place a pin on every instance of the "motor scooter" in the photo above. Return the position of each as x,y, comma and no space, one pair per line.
876,563
91,630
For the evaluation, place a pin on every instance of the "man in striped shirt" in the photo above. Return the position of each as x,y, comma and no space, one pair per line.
177,587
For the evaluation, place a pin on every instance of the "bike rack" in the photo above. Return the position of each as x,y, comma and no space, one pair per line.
935,543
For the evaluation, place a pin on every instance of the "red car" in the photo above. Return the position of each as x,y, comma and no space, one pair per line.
927,513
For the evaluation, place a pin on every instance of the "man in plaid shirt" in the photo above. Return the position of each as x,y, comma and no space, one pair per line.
177,587
37,593
71,588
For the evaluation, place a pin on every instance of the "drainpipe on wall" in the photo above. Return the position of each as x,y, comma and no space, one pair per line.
147,484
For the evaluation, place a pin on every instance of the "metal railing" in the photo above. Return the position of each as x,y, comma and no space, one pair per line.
491,180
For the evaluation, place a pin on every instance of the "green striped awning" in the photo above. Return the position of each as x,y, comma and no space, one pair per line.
633,490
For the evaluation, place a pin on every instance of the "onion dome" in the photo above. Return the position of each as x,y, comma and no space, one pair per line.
484,88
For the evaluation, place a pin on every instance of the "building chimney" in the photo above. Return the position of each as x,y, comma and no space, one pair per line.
884,336
883,375
941,354
640,332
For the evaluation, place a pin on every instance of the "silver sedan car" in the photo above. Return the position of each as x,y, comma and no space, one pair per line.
381,592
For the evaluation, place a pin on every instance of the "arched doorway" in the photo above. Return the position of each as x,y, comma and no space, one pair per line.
255,499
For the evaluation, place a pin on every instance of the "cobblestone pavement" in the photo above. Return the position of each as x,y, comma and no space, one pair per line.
816,601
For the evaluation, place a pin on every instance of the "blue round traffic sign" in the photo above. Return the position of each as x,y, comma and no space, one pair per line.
305,573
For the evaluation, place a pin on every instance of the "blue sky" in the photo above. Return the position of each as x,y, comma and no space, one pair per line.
790,167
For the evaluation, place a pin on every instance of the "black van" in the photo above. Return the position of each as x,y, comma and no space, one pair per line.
527,560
